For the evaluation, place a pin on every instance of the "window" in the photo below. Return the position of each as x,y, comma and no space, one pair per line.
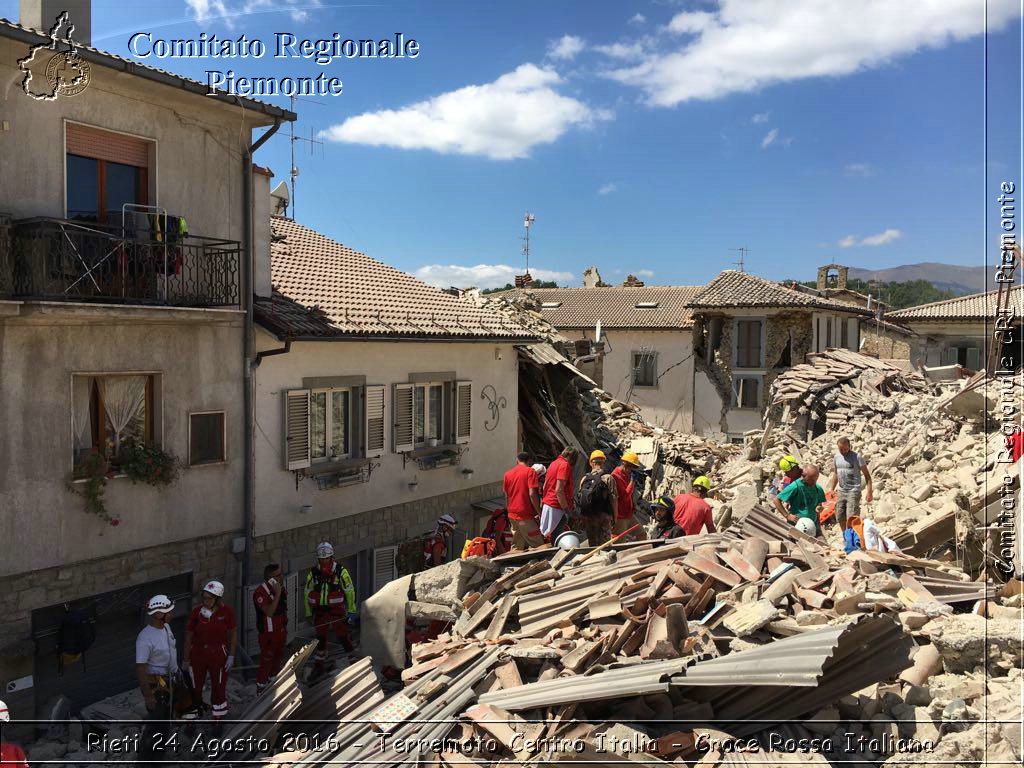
428,413
329,418
967,355
206,438
645,369
431,413
104,170
747,391
844,333
748,343
111,409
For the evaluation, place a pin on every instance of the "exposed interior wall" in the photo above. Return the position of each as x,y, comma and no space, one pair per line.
285,500
884,344
198,358
933,341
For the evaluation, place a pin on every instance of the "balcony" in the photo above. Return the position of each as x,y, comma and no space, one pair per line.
61,260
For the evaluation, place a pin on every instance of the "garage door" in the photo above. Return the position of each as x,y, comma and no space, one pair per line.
109,666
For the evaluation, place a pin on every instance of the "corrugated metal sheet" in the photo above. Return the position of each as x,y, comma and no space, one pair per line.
797,675
634,680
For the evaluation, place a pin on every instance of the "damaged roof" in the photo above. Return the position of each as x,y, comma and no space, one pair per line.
323,289
742,289
974,308
650,306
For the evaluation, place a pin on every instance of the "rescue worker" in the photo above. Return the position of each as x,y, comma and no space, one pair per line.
805,498
211,639
790,471
271,601
665,526
156,662
435,546
522,500
11,755
849,467
597,500
692,513
557,500
330,602
624,486
499,530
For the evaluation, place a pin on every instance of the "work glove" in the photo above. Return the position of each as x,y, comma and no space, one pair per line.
229,663
352,619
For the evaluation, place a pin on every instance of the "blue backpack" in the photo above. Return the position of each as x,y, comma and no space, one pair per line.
851,540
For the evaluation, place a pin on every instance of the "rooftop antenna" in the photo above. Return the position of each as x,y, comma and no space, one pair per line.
294,172
528,219
742,251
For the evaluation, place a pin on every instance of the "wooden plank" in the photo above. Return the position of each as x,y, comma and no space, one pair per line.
500,618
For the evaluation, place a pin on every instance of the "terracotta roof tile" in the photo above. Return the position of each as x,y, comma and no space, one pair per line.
360,296
652,306
742,289
973,308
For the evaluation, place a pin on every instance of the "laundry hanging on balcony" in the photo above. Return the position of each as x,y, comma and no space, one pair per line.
173,230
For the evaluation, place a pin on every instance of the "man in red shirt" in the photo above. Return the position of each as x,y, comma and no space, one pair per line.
559,488
11,755
692,512
624,487
211,637
271,601
522,500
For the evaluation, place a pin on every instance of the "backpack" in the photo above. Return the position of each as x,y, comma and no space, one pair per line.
481,546
592,497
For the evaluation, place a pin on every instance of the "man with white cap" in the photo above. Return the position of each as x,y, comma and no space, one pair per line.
10,754
156,661
435,546
330,602
211,638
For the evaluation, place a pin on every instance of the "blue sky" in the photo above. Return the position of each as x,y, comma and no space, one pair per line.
647,136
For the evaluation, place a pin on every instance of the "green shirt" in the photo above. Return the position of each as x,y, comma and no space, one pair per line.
803,499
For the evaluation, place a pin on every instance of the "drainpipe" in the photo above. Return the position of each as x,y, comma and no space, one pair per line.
247,297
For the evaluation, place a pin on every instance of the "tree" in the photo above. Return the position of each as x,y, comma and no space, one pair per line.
897,295
510,287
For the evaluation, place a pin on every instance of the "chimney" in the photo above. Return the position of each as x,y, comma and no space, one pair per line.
262,206
43,14
632,281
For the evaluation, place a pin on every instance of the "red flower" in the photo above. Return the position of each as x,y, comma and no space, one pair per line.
115,521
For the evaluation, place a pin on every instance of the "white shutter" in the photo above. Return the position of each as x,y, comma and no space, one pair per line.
296,604
402,438
374,426
251,641
951,355
385,568
296,429
463,411
973,358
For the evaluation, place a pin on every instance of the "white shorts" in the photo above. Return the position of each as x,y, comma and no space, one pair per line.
550,517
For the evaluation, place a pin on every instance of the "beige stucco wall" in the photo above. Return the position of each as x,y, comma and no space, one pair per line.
197,354
198,145
929,347
670,403
491,452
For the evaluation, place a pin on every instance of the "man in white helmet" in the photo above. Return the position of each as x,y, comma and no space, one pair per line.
435,546
11,755
156,662
211,638
330,602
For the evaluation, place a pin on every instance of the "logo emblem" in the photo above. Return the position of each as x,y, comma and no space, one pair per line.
55,69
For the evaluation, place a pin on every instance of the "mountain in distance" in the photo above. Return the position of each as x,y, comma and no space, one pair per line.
947,277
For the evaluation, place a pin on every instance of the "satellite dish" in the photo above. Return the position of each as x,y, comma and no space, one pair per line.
279,199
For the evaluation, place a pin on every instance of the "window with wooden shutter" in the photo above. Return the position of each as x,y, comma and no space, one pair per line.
296,429
748,344
385,566
463,411
402,438
374,412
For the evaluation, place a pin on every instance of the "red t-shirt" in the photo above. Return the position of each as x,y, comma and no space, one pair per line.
213,631
560,469
692,513
12,756
624,490
518,483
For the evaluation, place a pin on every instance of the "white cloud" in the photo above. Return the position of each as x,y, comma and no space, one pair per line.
862,170
882,238
607,189
760,118
483,275
750,44
638,19
566,47
644,273
500,120
223,10
623,51
769,138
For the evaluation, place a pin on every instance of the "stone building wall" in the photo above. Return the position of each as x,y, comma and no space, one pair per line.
884,344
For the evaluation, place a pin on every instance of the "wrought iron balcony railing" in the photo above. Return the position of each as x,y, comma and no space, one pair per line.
56,259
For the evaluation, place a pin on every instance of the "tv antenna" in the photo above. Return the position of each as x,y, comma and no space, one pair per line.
293,173
742,251
528,219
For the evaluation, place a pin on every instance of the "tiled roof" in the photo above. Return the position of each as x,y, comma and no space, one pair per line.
742,289
974,308
653,306
32,37
362,297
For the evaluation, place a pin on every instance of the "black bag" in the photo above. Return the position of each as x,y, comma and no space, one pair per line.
77,633
592,497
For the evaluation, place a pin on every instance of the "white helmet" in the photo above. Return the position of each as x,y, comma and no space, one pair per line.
540,469
159,604
5,714
806,525
446,521
324,549
214,588
567,540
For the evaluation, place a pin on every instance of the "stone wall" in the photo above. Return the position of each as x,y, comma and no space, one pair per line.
884,344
